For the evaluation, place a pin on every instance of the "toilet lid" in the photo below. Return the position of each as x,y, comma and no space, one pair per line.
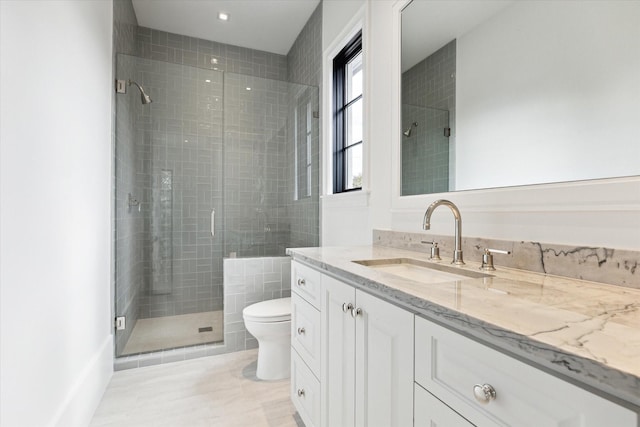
275,310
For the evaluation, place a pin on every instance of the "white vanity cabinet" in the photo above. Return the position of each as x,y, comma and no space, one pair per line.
305,343
489,388
430,412
367,359
358,360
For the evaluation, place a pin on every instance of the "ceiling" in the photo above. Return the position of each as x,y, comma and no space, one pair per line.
268,25
427,25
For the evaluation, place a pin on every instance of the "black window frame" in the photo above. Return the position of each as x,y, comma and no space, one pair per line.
340,106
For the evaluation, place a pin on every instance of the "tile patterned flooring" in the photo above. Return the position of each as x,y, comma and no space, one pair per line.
211,391
159,333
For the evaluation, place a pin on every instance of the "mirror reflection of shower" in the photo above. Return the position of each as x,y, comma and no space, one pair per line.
143,96
121,87
407,132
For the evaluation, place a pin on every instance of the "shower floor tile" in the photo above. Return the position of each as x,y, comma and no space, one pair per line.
160,333
220,391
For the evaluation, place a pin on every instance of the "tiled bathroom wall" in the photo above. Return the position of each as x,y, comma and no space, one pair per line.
194,52
305,66
256,218
179,179
428,94
247,281
425,152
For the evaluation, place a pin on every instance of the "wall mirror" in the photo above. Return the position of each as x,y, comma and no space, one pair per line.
508,93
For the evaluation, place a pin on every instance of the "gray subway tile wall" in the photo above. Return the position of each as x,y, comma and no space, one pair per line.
428,98
425,153
247,281
305,66
194,52
179,136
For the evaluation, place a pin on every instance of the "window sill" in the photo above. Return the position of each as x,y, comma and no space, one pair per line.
349,199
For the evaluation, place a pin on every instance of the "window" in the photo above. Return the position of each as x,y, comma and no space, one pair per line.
347,117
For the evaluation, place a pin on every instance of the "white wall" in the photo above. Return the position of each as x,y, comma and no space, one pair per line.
336,14
56,349
345,218
591,213
549,92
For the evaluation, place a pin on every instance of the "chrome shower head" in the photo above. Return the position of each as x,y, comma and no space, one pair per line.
143,96
407,132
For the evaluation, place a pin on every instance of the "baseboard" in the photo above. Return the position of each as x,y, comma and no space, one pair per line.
85,395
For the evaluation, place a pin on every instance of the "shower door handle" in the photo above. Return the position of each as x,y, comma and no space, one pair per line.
213,223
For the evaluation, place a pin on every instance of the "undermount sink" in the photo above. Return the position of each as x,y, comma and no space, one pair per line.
421,271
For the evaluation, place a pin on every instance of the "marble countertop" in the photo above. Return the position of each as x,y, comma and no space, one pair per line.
584,331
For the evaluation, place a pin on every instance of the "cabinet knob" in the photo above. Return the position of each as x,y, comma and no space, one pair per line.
484,393
300,392
347,307
301,282
355,312
301,331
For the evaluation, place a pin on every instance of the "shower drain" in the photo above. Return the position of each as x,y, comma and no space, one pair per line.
206,329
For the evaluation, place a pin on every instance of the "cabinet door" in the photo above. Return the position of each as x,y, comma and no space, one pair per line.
305,332
337,364
305,391
430,412
384,363
450,366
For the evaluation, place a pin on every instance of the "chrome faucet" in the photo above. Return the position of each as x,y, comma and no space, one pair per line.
457,253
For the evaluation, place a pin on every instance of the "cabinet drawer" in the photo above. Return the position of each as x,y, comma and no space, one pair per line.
449,366
305,281
305,332
305,391
430,412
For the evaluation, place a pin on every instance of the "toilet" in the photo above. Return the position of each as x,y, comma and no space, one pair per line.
270,323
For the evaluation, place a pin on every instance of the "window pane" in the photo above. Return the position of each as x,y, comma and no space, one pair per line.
354,77
354,123
353,177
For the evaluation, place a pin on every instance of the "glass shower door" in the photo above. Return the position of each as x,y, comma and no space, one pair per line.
168,183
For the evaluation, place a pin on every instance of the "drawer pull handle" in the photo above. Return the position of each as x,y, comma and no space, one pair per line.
301,331
347,307
300,392
484,393
301,282
355,312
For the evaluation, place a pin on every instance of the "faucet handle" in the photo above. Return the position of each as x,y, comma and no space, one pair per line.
435,250
487,258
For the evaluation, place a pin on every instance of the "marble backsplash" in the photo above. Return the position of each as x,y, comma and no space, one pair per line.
603,265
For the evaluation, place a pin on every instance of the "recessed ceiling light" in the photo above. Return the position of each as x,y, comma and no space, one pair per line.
223,16
207,81
248,88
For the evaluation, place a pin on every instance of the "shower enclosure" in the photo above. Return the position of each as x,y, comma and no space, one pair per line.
425,150
218,165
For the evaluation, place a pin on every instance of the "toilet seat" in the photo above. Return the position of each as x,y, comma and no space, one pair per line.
275,310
